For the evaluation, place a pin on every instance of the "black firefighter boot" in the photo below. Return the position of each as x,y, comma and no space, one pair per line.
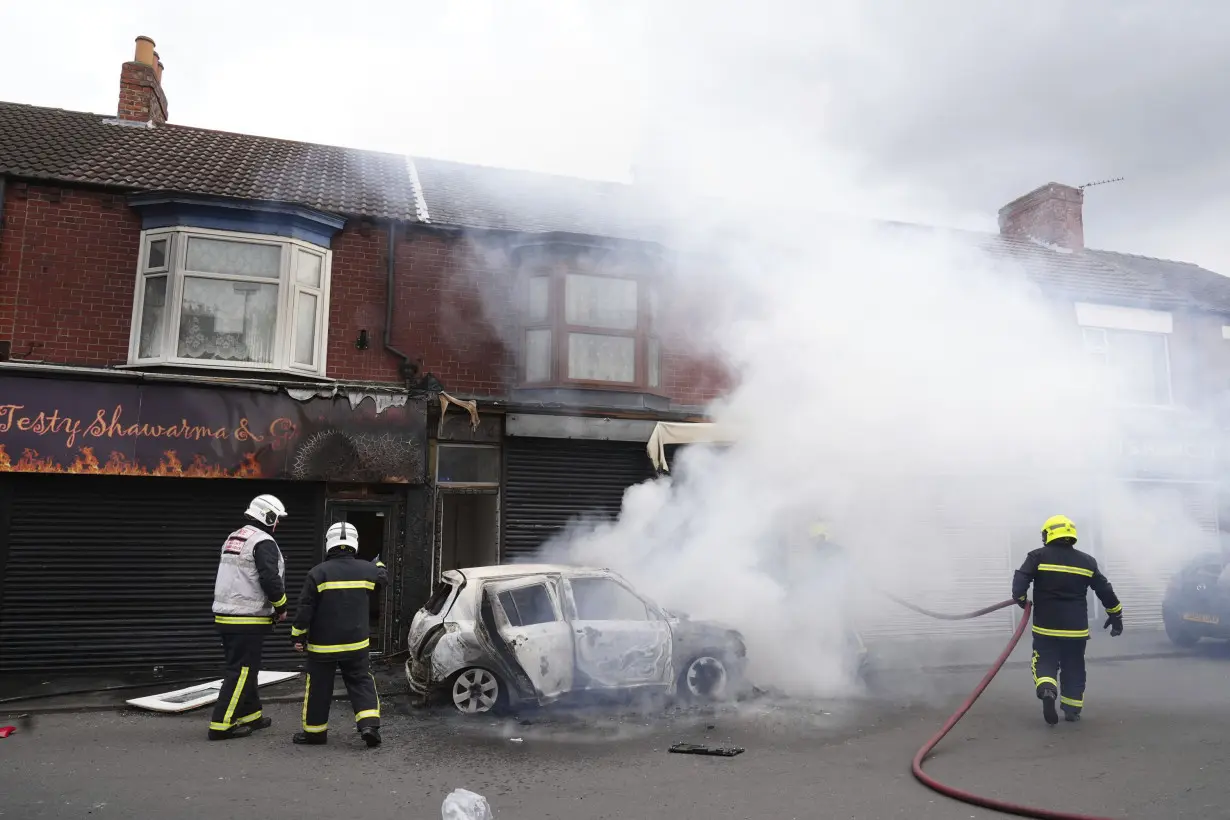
1048,696
1071,715
231,733
310,738
371,736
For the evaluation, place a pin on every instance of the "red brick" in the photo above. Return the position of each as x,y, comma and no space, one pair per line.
68,276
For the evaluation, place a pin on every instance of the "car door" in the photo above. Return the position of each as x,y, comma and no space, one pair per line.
621,641
530,623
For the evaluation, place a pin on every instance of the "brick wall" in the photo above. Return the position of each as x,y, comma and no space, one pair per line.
452,312
68,259
438,317
68,269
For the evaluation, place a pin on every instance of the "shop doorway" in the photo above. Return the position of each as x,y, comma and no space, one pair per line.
374,523
469,529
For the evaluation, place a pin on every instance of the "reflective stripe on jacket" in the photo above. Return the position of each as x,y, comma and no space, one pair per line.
1062,577
250,585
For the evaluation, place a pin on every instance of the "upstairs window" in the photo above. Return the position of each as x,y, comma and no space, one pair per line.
1132,349
221,299
590,330
1136,364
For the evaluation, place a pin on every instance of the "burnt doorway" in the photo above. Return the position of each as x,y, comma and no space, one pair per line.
469,529
373,521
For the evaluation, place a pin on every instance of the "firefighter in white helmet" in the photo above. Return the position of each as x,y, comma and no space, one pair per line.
249,595
332,625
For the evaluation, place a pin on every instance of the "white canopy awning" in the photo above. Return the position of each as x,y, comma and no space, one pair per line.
678,432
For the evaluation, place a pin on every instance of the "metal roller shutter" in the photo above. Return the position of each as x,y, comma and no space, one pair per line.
951,552
548,482
111,573
1148,530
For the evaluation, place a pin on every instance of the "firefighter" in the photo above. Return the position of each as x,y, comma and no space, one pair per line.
832,564
249,595
1061,576
331,624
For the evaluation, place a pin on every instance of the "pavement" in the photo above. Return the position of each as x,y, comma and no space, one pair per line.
1151,747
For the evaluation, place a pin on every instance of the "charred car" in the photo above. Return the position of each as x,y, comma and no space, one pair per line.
491,638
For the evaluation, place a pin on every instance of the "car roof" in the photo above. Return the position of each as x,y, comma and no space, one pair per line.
500,571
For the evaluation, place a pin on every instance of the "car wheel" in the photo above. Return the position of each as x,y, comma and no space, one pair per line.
704,678
476,691
1180,634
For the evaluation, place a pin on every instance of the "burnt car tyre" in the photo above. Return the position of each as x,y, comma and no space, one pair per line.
476,691
1179,633
705,677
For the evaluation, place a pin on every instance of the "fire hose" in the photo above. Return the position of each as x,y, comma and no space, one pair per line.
960,794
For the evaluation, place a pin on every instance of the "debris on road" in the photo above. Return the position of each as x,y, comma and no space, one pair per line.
462,804
5,731
203,694
698,749
516,740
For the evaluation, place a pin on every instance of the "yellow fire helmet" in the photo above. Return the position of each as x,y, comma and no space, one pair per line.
1058,526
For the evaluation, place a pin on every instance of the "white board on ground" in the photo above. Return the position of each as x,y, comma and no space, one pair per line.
203,694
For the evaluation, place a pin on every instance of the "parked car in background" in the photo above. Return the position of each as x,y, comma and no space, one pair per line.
1196,605
499,636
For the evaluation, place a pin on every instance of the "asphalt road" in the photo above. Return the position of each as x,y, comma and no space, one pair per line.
1151,746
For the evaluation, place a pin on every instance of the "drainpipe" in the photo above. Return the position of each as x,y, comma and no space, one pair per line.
407,368
3,179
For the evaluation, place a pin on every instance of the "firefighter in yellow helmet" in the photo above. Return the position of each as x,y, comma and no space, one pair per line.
1062,576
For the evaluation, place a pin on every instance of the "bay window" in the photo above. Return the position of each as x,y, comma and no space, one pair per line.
222,299
585,329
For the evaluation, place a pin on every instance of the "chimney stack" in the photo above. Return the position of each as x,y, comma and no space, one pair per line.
141,97
1050,214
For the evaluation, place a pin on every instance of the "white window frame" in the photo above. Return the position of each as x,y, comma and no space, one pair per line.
1102,349
289,289
1116,317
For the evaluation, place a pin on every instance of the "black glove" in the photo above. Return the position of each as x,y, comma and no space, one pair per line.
1022,602
1115,622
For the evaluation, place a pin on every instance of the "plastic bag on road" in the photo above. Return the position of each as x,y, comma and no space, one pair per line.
461,804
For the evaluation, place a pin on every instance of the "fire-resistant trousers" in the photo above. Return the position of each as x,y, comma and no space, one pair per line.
238,701
1060,664
360,686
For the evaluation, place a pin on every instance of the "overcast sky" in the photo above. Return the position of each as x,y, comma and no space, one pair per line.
936,111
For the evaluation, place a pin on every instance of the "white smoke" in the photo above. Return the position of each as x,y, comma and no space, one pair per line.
915,391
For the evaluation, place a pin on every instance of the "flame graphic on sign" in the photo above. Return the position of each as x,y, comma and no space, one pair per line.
87,463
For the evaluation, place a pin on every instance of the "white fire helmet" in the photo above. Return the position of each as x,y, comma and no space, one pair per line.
342,536
266,509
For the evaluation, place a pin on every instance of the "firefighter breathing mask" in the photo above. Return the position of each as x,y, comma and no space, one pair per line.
266,509
342,536
1056,527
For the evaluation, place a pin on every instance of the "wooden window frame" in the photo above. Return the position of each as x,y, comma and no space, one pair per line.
556,322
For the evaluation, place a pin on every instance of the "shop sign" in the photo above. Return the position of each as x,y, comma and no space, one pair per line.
181,431
1167,444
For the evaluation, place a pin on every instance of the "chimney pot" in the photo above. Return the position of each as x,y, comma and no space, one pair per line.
141,96
1051,214
145,52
